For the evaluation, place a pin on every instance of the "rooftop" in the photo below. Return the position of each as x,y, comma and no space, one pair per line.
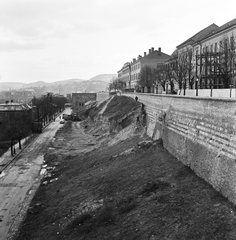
200,35
13,107
222,28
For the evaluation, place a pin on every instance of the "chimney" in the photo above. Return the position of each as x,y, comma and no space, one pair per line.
145,54
134,59
159,49
152,49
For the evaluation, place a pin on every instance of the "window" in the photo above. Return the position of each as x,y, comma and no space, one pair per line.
221,45
211,47
232,45
226,43
216,47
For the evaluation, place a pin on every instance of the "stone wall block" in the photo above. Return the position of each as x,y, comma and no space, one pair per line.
200,132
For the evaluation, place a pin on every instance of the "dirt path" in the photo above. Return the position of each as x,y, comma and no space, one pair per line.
72,139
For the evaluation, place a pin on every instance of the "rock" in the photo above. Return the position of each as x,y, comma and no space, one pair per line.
45,183
53,180
145,144
152,238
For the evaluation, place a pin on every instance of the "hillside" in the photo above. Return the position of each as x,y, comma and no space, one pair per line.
107,180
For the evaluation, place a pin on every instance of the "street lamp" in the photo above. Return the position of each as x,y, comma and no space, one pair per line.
211,87
230,90
197,86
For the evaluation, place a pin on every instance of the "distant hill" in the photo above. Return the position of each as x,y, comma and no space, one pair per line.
6,86
35,84
95,84
41,83
92,86
73,80
104,77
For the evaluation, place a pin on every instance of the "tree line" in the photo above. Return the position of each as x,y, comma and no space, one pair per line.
18,124
47,106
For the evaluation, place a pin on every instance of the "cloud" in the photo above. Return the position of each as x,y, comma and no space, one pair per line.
13,46
35,19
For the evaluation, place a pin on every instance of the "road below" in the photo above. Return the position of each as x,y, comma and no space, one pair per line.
20,180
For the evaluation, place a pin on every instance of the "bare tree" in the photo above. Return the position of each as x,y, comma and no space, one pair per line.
190,67
117,84
168,76
217,67
159,77
180,66
146,78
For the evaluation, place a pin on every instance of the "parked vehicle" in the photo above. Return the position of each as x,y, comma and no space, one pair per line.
75,118
67,116
62,121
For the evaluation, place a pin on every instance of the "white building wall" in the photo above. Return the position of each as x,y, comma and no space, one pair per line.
218,37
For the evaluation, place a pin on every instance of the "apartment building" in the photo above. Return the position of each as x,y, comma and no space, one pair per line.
19,96
195,39
130,71
218,48
212,40
124,75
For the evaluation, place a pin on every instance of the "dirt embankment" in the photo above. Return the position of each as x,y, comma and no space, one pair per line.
107,180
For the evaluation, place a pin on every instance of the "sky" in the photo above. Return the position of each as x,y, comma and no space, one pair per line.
52,40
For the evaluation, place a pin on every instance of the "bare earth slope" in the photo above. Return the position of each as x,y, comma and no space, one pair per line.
107,180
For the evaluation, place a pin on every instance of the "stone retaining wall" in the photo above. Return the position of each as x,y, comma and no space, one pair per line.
200,132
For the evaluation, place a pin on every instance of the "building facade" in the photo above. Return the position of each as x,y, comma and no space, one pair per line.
213,56
18,96
124,75
129,73
15,120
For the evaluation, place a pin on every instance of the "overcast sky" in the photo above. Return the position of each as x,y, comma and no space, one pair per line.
50,40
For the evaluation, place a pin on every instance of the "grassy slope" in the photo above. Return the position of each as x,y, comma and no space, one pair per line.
146,194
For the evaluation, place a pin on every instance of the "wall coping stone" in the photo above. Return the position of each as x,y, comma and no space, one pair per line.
186,97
